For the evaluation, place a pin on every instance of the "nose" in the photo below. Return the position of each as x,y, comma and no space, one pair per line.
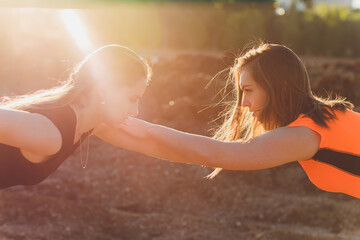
245,101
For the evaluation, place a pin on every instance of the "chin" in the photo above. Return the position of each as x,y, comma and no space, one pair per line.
115,124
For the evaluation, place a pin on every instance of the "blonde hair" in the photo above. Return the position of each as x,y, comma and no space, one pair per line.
112,58
283,76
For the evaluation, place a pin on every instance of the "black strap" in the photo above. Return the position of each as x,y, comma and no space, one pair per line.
345,161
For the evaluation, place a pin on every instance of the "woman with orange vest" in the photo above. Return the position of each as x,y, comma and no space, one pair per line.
275,120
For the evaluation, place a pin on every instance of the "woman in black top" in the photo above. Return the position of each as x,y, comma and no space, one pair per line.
39,131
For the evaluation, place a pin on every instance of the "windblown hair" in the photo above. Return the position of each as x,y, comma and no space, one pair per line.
112,62
283,77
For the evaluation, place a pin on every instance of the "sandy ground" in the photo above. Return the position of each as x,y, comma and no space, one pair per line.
126,195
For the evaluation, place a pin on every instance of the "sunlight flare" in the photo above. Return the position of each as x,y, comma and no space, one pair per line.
76,28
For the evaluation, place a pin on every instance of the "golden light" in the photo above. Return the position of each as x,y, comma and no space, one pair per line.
356,3
76,28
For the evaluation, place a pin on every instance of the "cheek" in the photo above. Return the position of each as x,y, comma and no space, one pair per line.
117,98
122,105
260,99
117,105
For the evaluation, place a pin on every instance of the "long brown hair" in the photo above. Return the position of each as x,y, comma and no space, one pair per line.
283,76
110,61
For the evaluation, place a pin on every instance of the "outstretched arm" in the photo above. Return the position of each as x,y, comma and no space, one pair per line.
271,149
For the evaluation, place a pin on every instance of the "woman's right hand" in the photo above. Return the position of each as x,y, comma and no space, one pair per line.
131,135
136,127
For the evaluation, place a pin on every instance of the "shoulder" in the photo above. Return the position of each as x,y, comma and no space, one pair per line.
32,132
47,133
276,147
300,141
333,125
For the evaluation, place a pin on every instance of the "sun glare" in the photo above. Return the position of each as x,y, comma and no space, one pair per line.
76,28
356,3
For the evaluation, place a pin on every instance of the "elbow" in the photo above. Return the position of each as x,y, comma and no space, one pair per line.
210,161
214,157
201,156
232,156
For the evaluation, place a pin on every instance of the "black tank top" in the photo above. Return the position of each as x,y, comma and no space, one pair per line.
17,170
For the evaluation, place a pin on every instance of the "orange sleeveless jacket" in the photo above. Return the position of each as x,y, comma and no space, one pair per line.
336,165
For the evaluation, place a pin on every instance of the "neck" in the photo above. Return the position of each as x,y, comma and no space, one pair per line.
86,119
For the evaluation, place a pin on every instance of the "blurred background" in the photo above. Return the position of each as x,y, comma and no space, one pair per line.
126,195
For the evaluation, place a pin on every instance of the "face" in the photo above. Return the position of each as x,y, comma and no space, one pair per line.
122,102
253,96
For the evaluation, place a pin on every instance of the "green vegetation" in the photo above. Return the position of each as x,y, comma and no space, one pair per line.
320,30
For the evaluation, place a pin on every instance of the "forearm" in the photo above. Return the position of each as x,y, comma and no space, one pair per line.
144,143
177,146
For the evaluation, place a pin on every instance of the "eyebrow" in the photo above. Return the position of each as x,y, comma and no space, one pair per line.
246,85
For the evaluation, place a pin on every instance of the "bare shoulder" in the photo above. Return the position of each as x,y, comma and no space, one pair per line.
300,142
299,133
282,145
305,136
47,133
32,132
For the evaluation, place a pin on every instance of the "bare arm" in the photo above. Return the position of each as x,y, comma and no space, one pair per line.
273,148
29,131
126,140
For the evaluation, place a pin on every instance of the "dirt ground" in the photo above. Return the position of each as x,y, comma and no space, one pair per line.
126,195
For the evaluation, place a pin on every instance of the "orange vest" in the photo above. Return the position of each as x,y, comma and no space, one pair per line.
336,165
